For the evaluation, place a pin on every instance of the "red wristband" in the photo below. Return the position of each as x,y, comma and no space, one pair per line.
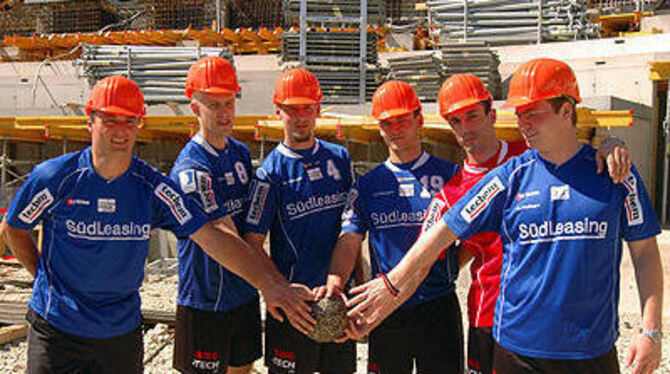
392,290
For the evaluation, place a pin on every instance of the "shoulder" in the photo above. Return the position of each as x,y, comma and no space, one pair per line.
334,149
57,169
436,162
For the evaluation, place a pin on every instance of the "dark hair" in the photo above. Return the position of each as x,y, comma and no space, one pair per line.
557,103
487,106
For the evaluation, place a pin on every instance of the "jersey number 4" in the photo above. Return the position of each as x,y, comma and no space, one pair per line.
332,170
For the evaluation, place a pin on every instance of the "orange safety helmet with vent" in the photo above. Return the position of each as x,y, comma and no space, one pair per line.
394,99
541,79
297,87
116,95
459,92
212,75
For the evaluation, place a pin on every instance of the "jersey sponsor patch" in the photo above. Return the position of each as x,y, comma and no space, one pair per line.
230,178
560,192
314,174
258,197
36,206
406,190
106,205
433,214
482,199
187,181
174,201
206,192
634,213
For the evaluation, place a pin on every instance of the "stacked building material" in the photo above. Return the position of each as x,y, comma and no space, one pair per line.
423,72
72,16
474,58
339,48
334,11
334,58
178,14
159,71
500,22
255,13
399,12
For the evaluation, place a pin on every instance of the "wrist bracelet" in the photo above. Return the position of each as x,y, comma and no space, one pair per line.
391,289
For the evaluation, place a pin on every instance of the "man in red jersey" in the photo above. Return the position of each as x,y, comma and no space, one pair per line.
467,106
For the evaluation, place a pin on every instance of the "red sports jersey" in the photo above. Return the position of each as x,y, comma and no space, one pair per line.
485,247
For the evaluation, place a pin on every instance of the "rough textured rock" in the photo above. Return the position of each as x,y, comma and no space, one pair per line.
331,317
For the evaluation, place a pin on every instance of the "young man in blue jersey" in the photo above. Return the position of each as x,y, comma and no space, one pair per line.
561,226
298,194
97,208
390,203
218,326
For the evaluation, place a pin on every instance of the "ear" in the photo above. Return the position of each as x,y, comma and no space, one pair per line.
277,110
420,120
493,116
195,108
89,124
566,111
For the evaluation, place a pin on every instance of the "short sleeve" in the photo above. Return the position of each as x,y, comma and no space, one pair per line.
353,217
173,211
263,200
34,198
481,208
638,219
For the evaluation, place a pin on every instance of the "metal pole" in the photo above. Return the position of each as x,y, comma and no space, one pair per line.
539,21
465,20
4,162
363,49
303,32
218,16
666,166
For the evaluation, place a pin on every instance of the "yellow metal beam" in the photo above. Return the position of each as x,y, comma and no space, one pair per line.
659,70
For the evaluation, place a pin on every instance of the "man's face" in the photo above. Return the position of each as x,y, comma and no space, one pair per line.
401,133
112,134
299,121
472,127
216,114
539,124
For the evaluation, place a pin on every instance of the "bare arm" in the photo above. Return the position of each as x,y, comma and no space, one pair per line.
373,301
21,244
645,353
345,257
224,245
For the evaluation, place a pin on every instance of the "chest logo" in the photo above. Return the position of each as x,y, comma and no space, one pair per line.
230,178
560,192
71,202
106,205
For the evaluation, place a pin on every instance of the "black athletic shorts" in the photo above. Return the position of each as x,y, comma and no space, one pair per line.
508,362
288,351
209,342
430,334
53,351
480,350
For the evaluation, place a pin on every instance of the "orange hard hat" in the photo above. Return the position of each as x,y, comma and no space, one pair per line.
461,91
116,95
297,87
212,75
541,79
394,99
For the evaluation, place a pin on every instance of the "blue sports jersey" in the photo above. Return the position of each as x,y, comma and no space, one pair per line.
96,239
390,202
218,181
561,228
299,195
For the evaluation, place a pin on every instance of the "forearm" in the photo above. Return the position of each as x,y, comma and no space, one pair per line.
414,267
22,246
344,259
649,277
228,249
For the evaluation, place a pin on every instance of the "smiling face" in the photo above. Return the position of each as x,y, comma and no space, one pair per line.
113,134
541,125
299,122
216,114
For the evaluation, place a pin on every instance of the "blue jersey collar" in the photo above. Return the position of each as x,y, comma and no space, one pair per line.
298,154
582,152
86,161
200,140
412,165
